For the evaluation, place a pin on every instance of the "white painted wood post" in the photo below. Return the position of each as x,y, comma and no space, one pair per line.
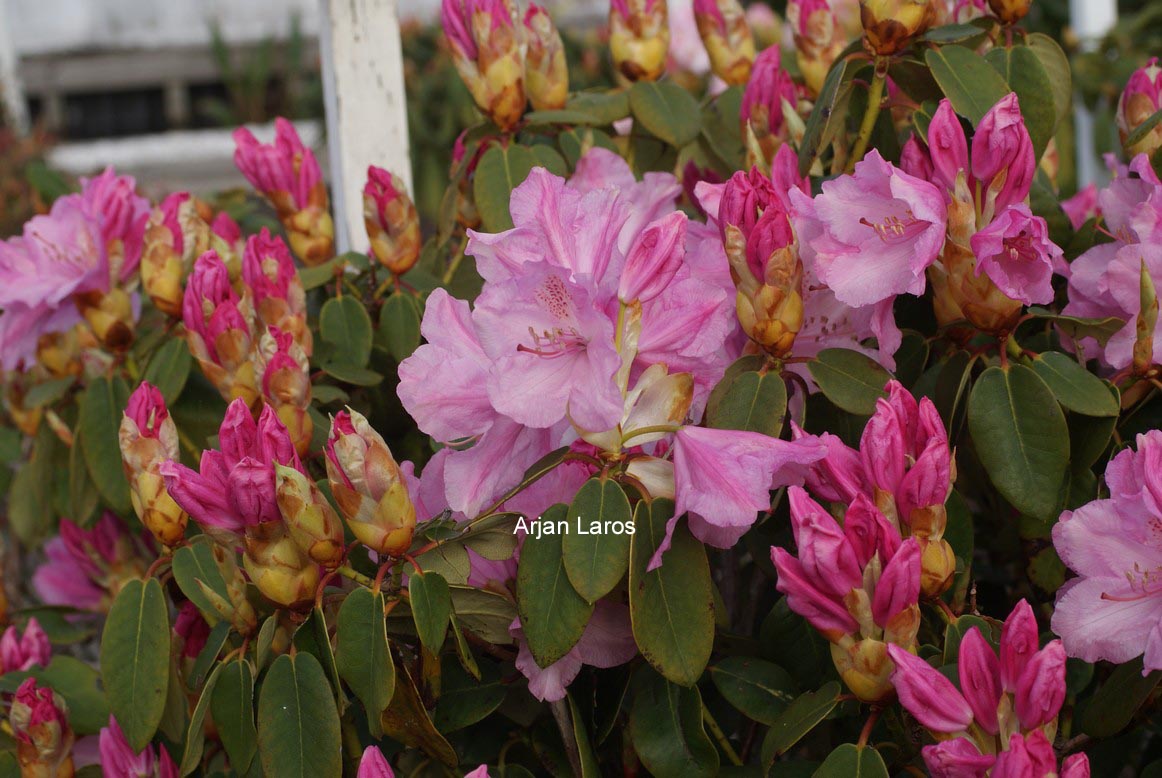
12,103
363,92
1091,20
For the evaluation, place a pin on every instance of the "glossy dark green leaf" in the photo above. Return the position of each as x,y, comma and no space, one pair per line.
363,657
828,115
195,734
102,406
465,700
431,604
498,172
135,659
800,717
1089,436
1117,700
761,690
232,705
399,325
665,727
667,110
1021,437
968,81
585,754
168,369
853,761
1056,65
198,576
553,615
851,380
345,325
596,561
314,637
671,608
1025,75
298,725
483,613
753,401
1075,387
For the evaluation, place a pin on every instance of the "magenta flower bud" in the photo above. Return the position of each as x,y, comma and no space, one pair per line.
824,552
1015,252
869,531
270,274
202,495
238,433
744,198
1019,643
1140,100
488,54
957,758
654,257
947,146
771,232
838,477
192,629
1041,687
39,720
785,175
286,172
251,485
927,694
19,652
899,586
274,442
1002,145
928,481
883,448
980,679
806,598
218,328
374,765
170,208
1075,766
1030,756
122,214
915,161
769,87
119,759
226,228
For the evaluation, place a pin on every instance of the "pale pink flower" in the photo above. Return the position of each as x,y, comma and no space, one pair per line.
870,236
1082,206
113,201
1001,144
1015,252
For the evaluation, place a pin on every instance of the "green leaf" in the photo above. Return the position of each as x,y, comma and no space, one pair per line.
1075,387
548,158
102,406
363,657
135,659
407,720
968,81
953,33
585,754
351,374
553,615
314,638
48,392
1056,64
1025,75
596,561
851,380
169,368
209,654
760,689
314,277
499,171
753,401
604,106
1113,705
1077,327
195,733
828,115
574,142
665,727
1089,436
1021,437
83,495
667,110
1143,129
464,700
30,511
232,706
562,116
77,683
485,614
344,323
298,725
852,761
399,325
671,608
194,563
431,604
800,717
954,633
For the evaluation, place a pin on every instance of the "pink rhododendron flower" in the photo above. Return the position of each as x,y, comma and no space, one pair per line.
871,235
113,201
234,487
119,760
22,651
769,88
373,765
285,171
1001,144
1014,250
1082,206
84,565
1113,609
192,629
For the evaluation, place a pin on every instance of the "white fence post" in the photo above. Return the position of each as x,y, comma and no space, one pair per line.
363,92
12,104
1091,20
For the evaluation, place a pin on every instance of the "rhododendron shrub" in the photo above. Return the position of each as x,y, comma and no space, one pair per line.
772,409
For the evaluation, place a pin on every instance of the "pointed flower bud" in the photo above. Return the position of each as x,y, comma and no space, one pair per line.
1028,756
287,174
148,438
1003,161
1041,687
654,257
391,221
19,652
368,485
947,146
1010,11
170,243
218,329
770,94
275,287
639,38
546,72
727,38
310,518
1140,100
824,551
980,679
890,25
818,37
487,51
927,694
957,758
1018,644
373,765
1145,323
44,741
119,759
282,571
284,375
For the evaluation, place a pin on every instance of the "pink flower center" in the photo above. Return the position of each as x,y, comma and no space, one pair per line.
1020,248
555,343
892,229
1143,584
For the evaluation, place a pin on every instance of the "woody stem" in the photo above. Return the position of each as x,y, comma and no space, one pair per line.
875,94
354,575
720,737
869,725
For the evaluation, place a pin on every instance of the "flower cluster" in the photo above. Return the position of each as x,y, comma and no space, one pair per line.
1002,720
86,567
